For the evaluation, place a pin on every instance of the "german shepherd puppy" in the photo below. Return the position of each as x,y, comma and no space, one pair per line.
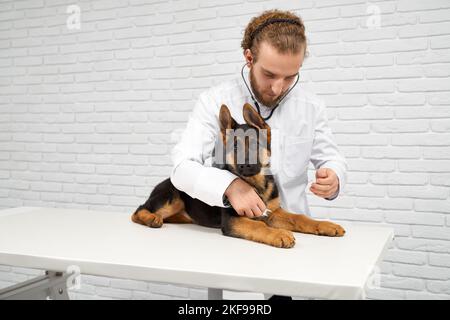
167,204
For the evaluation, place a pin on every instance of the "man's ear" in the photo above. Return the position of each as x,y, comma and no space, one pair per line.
248,57
225,119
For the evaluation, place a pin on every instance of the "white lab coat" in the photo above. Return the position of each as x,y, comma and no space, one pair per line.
300,134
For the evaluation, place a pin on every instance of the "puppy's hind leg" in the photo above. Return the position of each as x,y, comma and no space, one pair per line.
163,204
171,211
147,218
181,217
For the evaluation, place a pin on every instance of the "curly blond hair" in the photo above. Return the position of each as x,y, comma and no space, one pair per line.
283,30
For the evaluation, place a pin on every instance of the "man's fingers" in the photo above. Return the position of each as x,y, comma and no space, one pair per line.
321,173
323,194
325,173
261,206
321,188
323,191
319,192
249,213
256,211
328,180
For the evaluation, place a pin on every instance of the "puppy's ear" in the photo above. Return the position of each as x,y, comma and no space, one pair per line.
253,119
225,119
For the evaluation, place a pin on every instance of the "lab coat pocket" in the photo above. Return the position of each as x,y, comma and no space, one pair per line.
297,153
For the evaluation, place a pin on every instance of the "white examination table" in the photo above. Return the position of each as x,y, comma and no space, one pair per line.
109,244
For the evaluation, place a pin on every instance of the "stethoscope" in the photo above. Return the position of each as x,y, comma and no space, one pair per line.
256,102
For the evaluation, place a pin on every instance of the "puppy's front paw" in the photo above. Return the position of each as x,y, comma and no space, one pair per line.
282,239
326,228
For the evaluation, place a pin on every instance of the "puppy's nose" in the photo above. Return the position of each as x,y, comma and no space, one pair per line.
247,169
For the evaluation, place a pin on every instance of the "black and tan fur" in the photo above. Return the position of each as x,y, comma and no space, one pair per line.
167,204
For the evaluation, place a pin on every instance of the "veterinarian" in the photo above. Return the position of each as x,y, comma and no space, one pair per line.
274,47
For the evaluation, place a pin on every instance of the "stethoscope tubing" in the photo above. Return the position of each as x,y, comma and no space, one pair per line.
257,104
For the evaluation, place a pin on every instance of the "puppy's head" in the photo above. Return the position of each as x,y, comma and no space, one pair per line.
246,146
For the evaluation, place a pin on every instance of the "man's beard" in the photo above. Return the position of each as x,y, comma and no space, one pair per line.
258,96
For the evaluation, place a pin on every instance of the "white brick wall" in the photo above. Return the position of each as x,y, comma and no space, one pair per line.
87,115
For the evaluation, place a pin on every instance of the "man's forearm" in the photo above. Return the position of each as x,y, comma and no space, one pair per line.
207,184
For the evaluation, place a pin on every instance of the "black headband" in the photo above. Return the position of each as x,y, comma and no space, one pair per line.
271,21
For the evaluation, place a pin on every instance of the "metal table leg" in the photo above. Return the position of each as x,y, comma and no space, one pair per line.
52,285
215,294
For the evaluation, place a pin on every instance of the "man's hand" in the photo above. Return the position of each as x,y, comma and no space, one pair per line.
244,199
327,183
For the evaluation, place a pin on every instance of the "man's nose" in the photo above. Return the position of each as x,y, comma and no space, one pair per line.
277,87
